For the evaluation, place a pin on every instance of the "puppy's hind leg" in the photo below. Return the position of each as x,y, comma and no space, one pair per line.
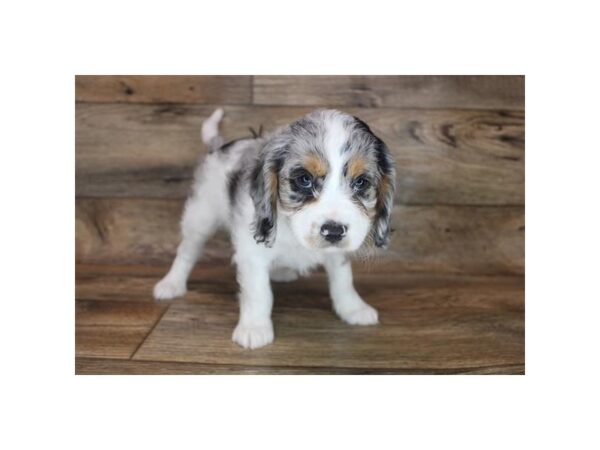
201,217
199,223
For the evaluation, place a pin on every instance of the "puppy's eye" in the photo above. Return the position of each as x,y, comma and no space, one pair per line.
304,180
360,184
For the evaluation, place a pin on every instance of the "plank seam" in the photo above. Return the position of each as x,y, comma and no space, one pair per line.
182,199
149,333
279,106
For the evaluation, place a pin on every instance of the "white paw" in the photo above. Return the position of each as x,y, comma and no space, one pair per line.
253,336
364,315
283,275
167,289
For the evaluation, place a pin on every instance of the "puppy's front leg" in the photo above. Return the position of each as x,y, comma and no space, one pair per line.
346,301
255,328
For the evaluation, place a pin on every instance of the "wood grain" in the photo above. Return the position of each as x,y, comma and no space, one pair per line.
497,92
222,90
426,238
430,323
471,157
133,230
113,329
430,331
101,366
131,282
135,282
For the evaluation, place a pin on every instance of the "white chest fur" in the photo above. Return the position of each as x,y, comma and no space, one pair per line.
288,252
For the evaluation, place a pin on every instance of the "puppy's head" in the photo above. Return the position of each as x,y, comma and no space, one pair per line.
331,177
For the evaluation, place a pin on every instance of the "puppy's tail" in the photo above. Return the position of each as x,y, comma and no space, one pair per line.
210,130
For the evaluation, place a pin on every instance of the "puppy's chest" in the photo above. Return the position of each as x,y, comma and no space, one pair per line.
289,253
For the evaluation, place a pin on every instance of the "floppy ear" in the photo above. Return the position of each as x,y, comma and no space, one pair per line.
264,188
385,188
385,194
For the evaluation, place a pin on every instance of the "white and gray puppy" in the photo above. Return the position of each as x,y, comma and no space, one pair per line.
309,194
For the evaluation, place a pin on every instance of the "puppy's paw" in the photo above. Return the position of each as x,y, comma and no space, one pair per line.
167,289
283,275
364,315
253,336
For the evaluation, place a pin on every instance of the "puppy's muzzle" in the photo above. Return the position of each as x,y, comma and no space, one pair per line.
333,231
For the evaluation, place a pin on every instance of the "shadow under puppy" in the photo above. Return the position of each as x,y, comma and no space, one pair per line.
310,193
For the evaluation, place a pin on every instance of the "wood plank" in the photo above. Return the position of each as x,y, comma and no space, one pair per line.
98,366
428,330
464,239
135,282
439,311
443,156
113,329
210,89
495,92
134,231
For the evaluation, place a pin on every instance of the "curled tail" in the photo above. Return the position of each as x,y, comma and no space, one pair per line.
210,130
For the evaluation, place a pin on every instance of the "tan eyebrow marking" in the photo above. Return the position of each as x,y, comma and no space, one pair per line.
356,167
316,165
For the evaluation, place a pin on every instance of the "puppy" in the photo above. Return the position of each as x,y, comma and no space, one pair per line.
309,194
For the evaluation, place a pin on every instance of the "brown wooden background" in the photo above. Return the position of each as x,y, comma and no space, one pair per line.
450,290
458,143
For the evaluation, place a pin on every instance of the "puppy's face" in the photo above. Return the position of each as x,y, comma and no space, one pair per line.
333,180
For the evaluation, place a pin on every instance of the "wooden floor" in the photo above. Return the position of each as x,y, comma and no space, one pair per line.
430,324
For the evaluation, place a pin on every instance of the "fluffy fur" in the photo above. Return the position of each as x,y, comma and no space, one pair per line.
309,194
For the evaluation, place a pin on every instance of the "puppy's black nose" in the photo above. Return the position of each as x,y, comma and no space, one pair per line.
333,231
